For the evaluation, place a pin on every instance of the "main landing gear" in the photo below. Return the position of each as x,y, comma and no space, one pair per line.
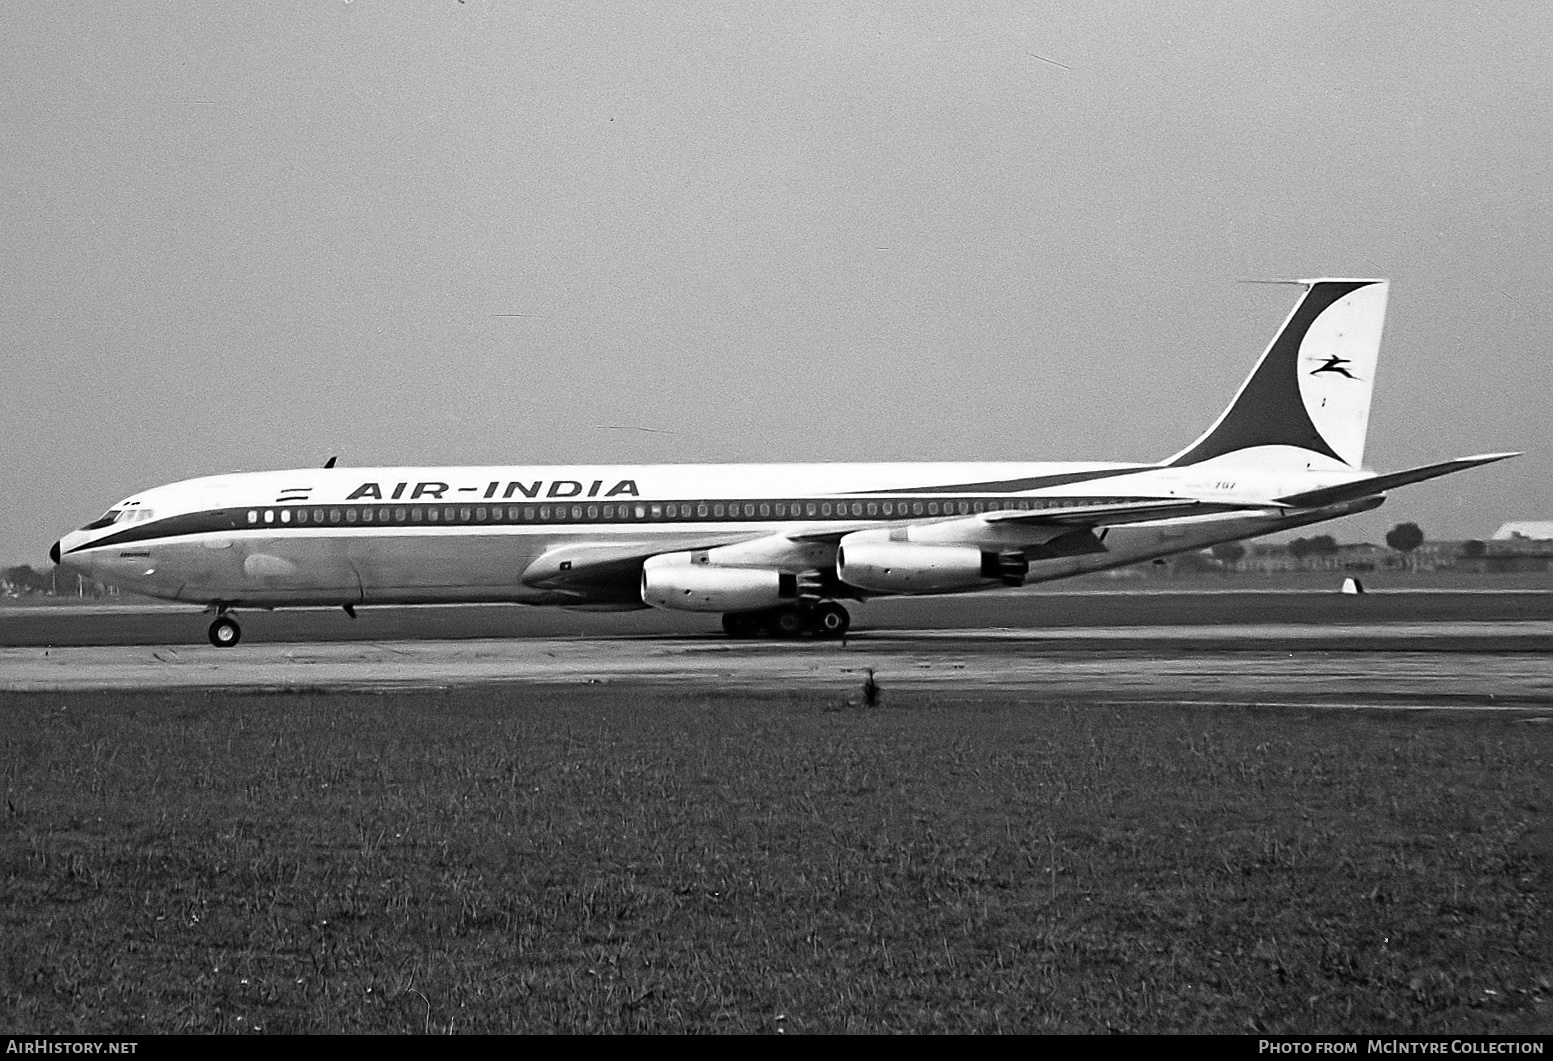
827,619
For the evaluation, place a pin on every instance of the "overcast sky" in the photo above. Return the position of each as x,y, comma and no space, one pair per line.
247,236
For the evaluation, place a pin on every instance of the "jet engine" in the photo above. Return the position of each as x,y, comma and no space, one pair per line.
678,582
911,567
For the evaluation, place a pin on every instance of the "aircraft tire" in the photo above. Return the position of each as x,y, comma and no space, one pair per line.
224,632
740,624
788,622
829,620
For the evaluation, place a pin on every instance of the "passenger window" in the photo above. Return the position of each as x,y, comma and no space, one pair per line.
765,510
253,515
873,509
415,514
398,515
811,508
641,511
366,515
285,515
350,515
932,508
528,512
433,514
463,515
593,512
301,515
334,515
318,515
609,511
480,514
701,510
269,515
717,510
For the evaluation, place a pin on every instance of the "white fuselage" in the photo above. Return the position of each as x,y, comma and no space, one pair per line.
486,534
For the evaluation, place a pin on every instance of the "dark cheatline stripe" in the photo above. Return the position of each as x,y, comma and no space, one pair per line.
220,519
1270,411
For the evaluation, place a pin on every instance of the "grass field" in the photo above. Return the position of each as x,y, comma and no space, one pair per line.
521,859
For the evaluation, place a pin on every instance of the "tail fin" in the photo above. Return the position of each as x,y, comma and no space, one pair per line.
1309,395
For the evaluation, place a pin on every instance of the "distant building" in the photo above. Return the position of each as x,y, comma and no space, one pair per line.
1536,530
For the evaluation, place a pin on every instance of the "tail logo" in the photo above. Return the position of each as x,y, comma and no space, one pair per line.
1335,364
1291,399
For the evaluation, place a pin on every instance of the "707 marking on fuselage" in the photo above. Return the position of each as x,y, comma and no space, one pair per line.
435,490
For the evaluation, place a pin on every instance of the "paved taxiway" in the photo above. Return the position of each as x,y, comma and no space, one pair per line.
1468,665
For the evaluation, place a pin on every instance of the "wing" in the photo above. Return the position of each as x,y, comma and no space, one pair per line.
1057,520
1116,514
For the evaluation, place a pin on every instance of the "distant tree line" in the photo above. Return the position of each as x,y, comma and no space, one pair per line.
1404,538
1320,545
23,580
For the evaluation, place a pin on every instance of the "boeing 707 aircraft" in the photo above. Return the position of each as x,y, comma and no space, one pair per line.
774,548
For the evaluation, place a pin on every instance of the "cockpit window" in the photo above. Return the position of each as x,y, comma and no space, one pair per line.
119,515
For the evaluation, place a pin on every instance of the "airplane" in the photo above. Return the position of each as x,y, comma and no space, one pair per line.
774,548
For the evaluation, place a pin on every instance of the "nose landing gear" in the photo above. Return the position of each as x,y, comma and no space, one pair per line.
224,632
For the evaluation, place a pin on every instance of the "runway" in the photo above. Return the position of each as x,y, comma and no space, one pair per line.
1484,666
1479,650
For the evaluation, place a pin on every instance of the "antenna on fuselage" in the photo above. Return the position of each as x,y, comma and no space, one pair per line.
330,462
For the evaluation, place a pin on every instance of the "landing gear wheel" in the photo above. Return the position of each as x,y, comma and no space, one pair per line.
224,632
830,620
739,624
787,622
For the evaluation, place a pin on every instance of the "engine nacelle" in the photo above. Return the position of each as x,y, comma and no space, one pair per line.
675,582
910,567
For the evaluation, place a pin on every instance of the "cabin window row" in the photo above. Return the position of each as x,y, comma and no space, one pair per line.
672,510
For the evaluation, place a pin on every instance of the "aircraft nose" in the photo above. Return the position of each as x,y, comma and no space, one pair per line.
54,553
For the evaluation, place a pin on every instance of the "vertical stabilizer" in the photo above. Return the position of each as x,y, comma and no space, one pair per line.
1309,395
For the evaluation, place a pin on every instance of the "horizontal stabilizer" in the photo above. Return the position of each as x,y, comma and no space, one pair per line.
1331,495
